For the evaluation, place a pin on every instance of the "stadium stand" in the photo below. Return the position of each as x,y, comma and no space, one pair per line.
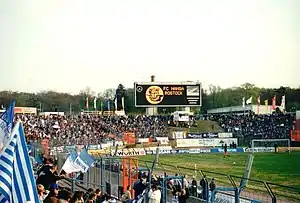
274,126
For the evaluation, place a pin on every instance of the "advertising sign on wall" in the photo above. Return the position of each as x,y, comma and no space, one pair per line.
205,142
202,135
162,140
167,95
260,149
25,110
131,152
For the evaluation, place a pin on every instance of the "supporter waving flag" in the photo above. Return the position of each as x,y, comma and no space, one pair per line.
6,124
17,183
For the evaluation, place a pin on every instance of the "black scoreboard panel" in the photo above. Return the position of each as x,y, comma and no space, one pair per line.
167,95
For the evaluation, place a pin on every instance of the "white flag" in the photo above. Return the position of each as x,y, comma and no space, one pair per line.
249,101
69,165
282,103
95,103
243,102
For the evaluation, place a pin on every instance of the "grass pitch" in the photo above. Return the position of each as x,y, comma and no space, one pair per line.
281,168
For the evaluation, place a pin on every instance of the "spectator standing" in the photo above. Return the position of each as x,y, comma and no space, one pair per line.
47,176
194,187
139,187
154,194
212,187
183,195
204,185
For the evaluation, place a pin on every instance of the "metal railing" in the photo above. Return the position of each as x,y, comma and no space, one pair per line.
107,176
256,190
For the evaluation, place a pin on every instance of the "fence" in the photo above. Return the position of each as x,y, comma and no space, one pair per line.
107,175
256,190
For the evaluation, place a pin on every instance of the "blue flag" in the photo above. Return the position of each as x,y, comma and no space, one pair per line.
87,159
6,124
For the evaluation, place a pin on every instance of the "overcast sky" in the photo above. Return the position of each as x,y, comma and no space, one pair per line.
66,45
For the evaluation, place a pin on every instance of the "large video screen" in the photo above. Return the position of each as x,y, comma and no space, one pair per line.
167,95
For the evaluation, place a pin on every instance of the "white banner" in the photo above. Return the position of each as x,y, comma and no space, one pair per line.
162,150
143,140
205,142
178,135
225,135
162,140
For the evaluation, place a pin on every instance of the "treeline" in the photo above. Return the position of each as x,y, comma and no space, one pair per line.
212,97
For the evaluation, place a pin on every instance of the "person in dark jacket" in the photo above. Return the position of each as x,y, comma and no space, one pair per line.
139,187
204,185
47,176
47,165
183,195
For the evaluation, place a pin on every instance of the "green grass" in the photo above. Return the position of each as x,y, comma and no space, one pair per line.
281,168
203,126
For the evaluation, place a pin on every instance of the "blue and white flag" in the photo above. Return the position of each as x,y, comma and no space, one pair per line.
17,183
84,161
6,124
78,163
69,165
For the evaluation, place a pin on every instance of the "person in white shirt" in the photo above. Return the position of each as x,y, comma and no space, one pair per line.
154,194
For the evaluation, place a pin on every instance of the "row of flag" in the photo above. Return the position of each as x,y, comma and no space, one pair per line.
95,104
266,102
87,103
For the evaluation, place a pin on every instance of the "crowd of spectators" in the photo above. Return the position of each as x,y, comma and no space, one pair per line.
50,192
87,129
180,189
273,126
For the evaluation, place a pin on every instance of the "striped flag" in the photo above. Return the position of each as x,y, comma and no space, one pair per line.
17,183
6,124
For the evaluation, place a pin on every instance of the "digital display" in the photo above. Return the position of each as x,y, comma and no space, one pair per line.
167,95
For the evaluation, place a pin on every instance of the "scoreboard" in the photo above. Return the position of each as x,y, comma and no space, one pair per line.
167,94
